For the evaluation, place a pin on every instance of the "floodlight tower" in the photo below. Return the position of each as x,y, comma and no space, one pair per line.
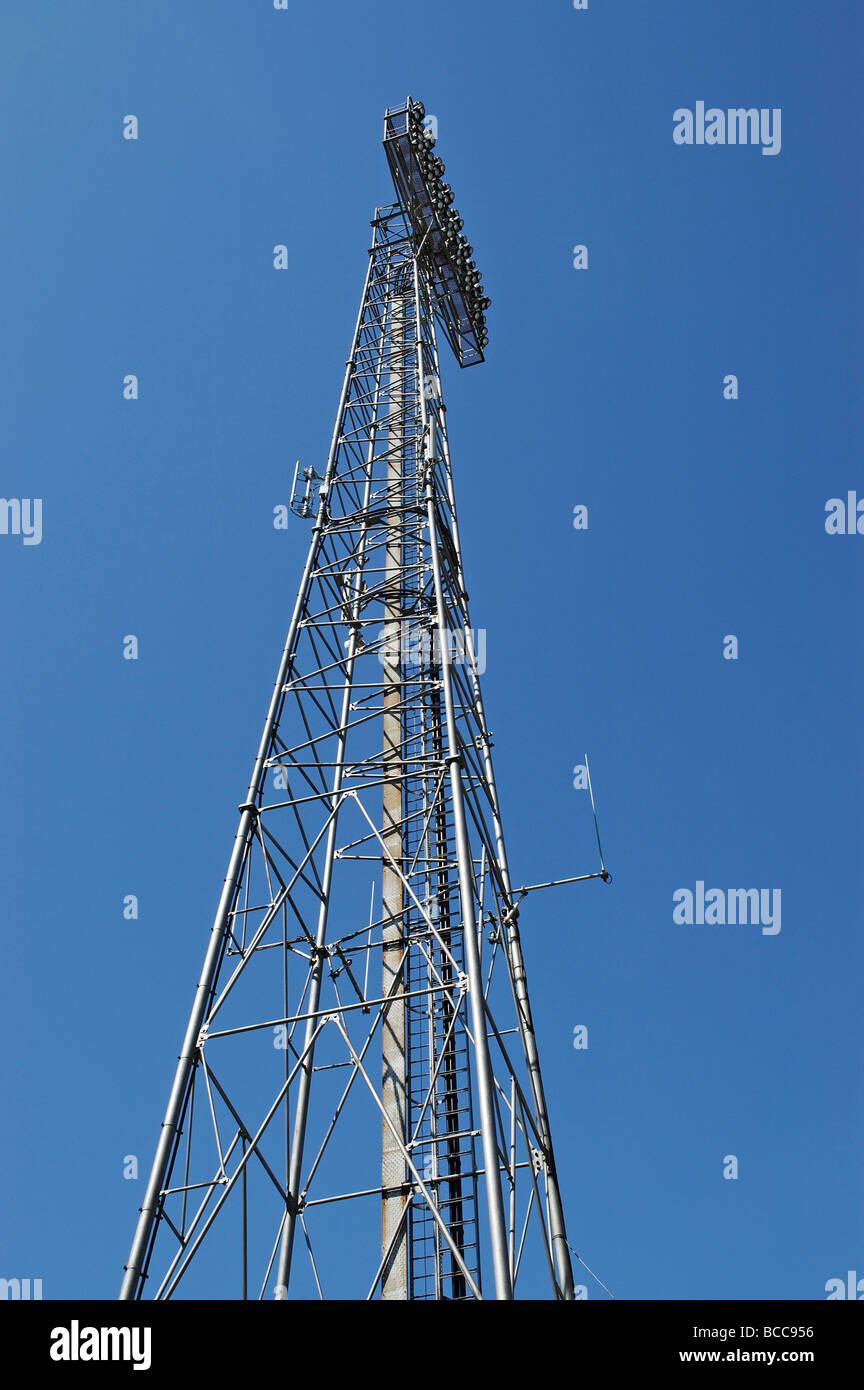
357,1109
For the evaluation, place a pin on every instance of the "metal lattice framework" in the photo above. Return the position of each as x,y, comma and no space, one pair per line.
358,1109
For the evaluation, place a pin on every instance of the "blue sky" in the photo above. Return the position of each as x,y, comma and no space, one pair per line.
602,387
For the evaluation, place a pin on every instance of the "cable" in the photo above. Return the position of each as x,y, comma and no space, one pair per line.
590,1271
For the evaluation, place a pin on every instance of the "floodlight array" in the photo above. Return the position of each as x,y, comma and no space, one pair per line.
418,175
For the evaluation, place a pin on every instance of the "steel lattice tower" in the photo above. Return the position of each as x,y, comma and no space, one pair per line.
358,1109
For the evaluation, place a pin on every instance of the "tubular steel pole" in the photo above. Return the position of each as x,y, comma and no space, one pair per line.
394,1199
485,1079
134,1275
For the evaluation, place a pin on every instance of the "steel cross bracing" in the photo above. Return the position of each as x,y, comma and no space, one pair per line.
358,1109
